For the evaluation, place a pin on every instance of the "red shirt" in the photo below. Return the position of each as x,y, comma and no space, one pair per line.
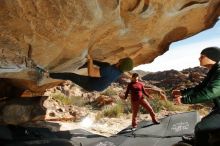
136,89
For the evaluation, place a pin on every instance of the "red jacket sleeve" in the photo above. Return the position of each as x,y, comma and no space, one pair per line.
127,91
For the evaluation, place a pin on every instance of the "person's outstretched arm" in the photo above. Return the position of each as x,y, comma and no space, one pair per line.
92,71
146,93
127,91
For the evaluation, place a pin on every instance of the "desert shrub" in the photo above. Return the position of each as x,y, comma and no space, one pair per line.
65,100
98,116
112,111
170,106
127,106
62,99
159,105
78,100
109,92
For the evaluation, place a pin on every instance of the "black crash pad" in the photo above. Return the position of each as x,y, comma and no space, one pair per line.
167,133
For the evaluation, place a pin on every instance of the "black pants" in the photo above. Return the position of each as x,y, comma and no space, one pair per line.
86,82
209,123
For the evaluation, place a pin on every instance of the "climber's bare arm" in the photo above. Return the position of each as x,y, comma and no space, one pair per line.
92,70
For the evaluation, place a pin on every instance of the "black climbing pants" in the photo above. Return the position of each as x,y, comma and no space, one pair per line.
208,124
86,82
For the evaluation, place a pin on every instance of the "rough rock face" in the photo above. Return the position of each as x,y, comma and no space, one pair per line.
20,110
57,34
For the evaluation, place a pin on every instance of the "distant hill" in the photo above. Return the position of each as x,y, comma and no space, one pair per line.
140,72
172,79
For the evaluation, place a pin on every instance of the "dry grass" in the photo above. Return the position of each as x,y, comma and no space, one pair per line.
122,107
61,98
168,105
78,101
112,111
65,100
110,92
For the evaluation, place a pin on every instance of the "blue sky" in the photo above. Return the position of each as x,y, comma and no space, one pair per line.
185,53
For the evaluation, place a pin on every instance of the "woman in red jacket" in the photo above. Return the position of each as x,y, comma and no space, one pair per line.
136,89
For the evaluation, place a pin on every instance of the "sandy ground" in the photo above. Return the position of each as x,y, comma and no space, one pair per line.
105,126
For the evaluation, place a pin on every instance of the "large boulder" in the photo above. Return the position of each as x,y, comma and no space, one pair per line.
58,34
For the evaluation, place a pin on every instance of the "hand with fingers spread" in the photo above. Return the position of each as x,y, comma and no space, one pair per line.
177,96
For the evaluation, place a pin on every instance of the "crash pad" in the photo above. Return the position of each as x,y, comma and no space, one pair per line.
168,132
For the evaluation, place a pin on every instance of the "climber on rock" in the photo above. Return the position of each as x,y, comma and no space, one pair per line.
100,78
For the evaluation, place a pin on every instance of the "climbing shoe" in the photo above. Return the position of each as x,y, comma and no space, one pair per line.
189,139
40,70
156,121
41,73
